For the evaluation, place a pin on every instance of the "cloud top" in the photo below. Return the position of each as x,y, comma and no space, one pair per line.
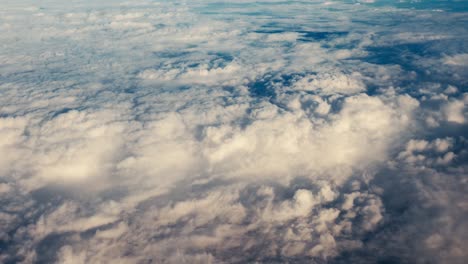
221,132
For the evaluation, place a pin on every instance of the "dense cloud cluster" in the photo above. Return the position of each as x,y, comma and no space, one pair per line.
233,132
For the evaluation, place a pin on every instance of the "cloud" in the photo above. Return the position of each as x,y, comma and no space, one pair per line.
220,132
331,84
457,60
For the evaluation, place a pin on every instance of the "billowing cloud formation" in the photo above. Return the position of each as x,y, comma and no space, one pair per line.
221,132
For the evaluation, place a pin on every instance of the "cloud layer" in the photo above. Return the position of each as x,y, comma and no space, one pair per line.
221,132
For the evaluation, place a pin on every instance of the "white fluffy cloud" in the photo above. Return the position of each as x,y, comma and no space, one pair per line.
212,131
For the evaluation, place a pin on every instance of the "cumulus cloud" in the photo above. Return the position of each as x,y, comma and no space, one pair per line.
220,132
457,60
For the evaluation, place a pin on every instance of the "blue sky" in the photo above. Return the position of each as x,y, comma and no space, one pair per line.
233,132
